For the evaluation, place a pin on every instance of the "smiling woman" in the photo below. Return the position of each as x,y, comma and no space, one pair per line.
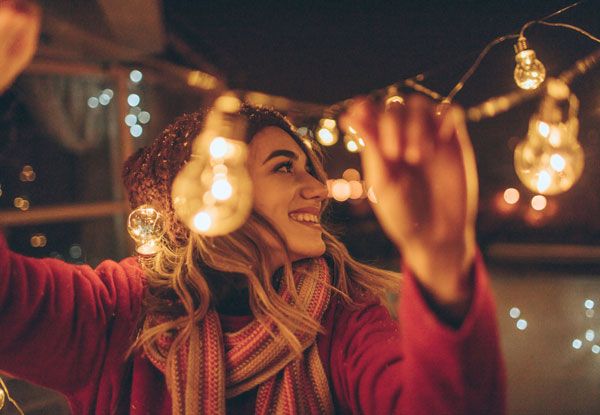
275,317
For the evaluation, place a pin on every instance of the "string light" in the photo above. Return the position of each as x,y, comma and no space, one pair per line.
353,142
327,132
539,202
511,195
341,190
212,194
550,159
146,226
529,71
135,76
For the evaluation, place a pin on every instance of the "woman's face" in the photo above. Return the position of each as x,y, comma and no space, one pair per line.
287,193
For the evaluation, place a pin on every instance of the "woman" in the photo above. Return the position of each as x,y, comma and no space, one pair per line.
275,317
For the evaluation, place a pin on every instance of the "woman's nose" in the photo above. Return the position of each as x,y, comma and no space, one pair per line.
314,189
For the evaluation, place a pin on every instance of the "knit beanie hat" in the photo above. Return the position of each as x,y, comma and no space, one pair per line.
149,173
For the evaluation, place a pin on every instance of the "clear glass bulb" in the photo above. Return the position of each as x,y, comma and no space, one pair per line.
146,226
550,160
212,194
327,132
529,71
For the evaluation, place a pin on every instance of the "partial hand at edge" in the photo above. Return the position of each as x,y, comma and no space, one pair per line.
419,160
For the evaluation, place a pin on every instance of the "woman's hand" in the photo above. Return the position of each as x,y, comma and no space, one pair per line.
420,162
19,29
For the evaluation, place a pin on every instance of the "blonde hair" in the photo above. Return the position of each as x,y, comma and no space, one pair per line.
181,278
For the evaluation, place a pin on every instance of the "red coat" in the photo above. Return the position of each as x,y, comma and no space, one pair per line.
68,327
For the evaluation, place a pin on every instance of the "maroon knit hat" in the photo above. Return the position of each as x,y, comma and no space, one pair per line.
149,173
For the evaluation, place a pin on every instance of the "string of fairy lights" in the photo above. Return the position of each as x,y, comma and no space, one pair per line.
212,194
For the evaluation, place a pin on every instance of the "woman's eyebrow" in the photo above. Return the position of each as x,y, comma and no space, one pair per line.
285,153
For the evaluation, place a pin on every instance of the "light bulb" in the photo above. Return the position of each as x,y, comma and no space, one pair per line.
550,160
327,132
146,226
529,71
353,142
212,194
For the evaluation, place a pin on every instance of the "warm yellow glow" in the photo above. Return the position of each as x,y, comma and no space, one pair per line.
371,195
543,128
361,142
307,143
38,240
202,80
557,162
544,181
539,202
146,226
218,147
396,99
356,189
221,189
529,72
326,137
202,221
351,174
352,146
328,123
150,247
550,159
340,190
511,195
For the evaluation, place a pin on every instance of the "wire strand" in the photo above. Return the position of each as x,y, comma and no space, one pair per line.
498,40
551,15
476,64
572,27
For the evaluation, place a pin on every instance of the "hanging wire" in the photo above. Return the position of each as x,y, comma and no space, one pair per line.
551,15
498,40
503,103
9,398
575,28
475,65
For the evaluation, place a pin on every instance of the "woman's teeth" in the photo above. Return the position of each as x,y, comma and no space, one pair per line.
304,217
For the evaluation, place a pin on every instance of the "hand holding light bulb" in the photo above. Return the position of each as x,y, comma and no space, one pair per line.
419,160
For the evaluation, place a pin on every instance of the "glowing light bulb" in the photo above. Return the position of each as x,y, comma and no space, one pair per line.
327,132
353,142
146,226
212,194
529,71
511,195
539,202
341,190
550,159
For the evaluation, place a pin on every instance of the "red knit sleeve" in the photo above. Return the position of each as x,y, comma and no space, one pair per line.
419,366
58,321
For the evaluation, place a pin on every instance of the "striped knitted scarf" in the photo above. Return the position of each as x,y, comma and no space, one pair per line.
211,366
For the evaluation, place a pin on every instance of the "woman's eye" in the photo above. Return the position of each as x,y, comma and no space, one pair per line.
284,167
